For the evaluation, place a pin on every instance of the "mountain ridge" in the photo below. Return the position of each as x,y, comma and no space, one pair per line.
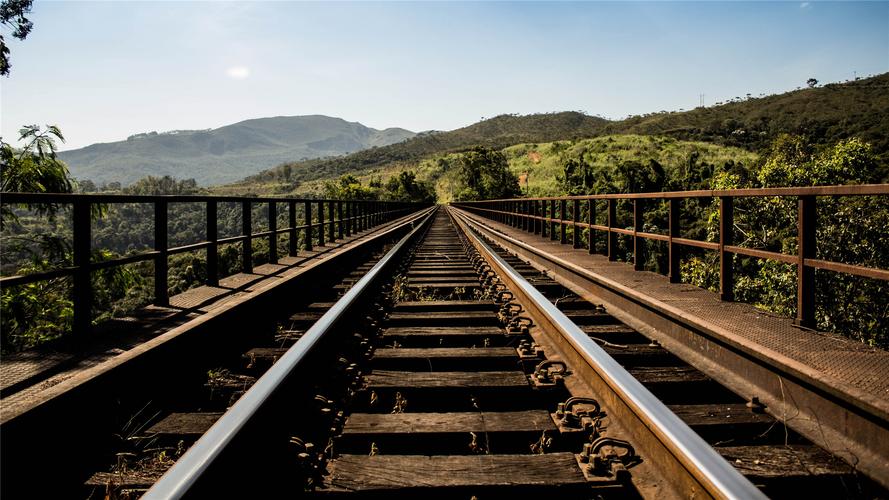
227,153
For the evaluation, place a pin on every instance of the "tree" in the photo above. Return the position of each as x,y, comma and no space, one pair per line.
34,168
484,175
12,16
811,82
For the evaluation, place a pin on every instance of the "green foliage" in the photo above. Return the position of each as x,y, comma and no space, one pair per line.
33,168
12,15
484,175
851,229
348,187
404,187
400,187
822,115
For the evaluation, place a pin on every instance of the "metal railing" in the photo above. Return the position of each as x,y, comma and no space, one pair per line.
343,218
553,215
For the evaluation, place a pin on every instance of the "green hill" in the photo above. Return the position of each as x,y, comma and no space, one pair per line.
497,132
228,153
824,114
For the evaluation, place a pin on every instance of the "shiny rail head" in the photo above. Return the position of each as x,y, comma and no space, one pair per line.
718,477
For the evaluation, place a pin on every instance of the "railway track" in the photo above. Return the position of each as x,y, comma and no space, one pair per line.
446,367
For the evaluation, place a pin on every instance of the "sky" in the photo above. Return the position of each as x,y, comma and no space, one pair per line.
105,70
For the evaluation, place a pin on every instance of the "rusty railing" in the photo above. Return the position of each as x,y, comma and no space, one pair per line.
342,218
553,215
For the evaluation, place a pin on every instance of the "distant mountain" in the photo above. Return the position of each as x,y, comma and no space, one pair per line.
227,153
497,132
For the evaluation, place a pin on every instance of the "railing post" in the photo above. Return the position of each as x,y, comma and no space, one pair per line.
591,219
543,223
612,236
292,249
575,211
308,224
247,231
82,293
320,223
673,254
331,231
552,219
536,210
638,241
213,246
563,234
348,218
805,287
339,223
273,230
726,261
161,294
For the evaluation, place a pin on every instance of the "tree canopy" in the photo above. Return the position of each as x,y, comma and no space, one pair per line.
12,16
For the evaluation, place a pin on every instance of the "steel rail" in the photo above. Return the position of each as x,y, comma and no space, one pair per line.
186,472
716,476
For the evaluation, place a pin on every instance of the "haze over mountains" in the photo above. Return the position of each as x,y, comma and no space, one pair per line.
227,153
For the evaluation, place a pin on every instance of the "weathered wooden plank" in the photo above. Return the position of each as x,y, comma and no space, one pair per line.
766,462
445,352
305,316
265,353
582,317
445,305
457,271
667,374
443,318
184,424
431,380
444,284
723,414
125,480
443,332
460,422
606,329
393,472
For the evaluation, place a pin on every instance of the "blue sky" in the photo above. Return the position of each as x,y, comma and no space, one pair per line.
105,70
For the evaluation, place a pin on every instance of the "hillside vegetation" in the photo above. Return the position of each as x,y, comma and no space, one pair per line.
823,115
225,154
495,133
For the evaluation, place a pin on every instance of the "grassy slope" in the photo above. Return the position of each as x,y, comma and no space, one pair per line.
543,161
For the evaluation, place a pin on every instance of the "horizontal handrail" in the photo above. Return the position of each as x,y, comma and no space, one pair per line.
845,190
544,215
322,220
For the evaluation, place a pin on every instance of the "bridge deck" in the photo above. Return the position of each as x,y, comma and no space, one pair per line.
24,376
857,370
